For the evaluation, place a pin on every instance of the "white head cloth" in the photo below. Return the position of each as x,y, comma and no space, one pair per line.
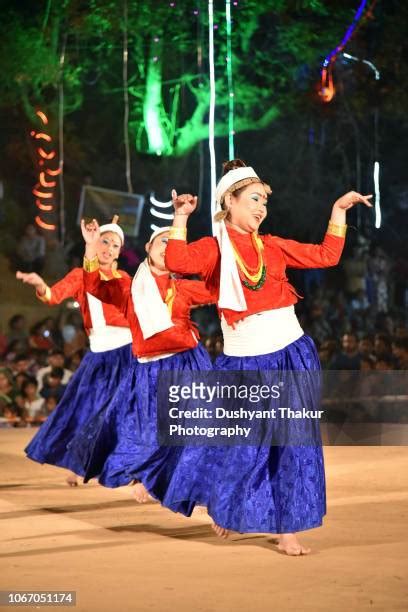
151,311
231,292
113,227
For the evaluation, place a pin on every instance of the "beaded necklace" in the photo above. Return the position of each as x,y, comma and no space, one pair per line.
256,275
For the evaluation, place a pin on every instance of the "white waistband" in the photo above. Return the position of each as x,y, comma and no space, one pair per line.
261,333
108,338
148,359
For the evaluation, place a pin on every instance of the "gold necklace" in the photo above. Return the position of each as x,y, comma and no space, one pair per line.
254,274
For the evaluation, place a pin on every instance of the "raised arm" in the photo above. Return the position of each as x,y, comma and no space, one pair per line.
114,291
199,257
67,287
327,253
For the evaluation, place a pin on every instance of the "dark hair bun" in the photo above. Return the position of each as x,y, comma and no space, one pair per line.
233,164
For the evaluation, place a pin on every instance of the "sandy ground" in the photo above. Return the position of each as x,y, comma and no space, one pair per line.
121,557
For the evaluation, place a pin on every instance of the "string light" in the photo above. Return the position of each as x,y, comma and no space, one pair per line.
44,182
42,194
46,226
158,213
161,215
45,155
43,136
37,191
158,203
327,89
230,84
52,172
45,207
43,117
211,114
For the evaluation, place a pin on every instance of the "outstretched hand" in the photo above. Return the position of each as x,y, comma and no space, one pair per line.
30,278
184,204
352,198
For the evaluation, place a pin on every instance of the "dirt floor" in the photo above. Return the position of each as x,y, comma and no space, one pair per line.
119,556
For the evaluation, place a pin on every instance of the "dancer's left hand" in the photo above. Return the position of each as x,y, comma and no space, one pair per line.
352,198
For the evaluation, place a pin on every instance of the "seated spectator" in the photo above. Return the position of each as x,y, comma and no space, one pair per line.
8,415
23,364
33,403
326,353
56,359
366,347
31,251
349,357
400,353
19,379
6,383
53,384
382,346
50,404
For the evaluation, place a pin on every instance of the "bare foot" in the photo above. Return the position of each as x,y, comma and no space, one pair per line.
290,545
220,531
140,493
72,480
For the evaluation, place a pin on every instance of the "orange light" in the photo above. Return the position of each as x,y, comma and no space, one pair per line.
53,172
45,183
40,194
46,155
42,116
43,206
43,136
46,226
327,90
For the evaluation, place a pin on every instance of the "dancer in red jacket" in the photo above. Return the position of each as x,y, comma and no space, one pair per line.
277,489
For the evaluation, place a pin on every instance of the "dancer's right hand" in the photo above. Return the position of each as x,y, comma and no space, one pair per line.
31,278
184,204
90,231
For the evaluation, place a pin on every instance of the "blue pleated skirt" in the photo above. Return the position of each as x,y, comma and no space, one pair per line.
87,396
125,447
275,489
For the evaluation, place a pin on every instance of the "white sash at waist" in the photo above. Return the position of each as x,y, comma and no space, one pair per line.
261,333
108,338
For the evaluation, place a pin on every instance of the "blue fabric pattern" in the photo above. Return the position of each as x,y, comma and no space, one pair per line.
277,489
125,445
88,393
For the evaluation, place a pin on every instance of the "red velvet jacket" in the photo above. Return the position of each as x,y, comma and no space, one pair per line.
73,286
180,296
203,257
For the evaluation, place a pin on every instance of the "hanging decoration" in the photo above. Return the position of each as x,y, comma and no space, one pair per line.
231,153
327,89
158,213
44,188
211,114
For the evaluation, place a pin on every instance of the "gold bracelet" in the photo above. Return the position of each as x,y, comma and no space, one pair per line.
46,296
90,265
178,233
337,230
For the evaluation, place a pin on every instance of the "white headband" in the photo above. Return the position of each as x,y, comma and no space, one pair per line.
233,176
157,232
113,227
